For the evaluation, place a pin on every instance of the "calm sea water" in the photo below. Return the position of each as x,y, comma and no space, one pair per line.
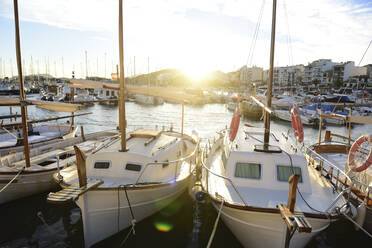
31,222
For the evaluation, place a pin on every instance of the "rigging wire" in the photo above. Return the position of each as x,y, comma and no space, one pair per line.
255,35
339,99
289,39
365,53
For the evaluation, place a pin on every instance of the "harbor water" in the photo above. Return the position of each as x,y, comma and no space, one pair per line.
31,222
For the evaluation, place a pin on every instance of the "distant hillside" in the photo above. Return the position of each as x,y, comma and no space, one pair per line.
177,77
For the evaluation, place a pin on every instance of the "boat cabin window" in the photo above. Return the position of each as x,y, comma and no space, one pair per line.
102,165
248,170
133,167
284,172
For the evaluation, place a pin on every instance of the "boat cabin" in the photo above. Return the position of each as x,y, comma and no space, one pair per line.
147,159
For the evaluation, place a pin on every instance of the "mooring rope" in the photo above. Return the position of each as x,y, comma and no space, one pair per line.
14,178
128,234
130,206
41,217
133,222
355,223
215,225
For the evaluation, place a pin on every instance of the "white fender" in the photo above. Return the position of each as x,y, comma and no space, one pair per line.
361,215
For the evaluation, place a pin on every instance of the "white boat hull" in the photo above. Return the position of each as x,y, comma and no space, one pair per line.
38,177
148,100
261,229
45,135
26,184
99,208
285,115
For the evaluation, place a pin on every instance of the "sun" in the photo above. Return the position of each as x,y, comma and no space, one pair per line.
195,73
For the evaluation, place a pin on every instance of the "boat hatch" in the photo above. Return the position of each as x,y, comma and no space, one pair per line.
268,149
102,164
47,162
284,172
66,155
133,167
248,170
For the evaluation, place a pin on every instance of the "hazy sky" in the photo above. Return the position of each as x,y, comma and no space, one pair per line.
194,35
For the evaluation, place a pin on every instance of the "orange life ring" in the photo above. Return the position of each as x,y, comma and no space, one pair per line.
234,125
297,125
354,148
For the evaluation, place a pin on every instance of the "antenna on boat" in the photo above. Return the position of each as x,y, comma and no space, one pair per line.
21,87
269,86
122,121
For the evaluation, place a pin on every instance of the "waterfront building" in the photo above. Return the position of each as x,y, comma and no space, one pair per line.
318,71
288,75
250,74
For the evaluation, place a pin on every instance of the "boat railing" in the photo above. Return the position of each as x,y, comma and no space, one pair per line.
176,162
337,177
209,171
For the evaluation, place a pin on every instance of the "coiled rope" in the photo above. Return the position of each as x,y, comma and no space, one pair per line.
14,178
215,225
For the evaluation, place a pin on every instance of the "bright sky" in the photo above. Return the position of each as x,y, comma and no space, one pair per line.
195,35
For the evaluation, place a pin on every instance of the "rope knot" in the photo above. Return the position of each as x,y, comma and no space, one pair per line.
133,225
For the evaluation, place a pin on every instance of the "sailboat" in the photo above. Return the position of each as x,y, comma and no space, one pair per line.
30,172
12,140
129,179
246,171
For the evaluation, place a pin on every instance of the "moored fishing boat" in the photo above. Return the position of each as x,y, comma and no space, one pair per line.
285,115
108,97
148,100
353,157
30,172
154,171
247,183
18,180
246,174
11,140
129,179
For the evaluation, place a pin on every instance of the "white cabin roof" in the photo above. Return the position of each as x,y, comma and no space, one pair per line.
248,137
148,144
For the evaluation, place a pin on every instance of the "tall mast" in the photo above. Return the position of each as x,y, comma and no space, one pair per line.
86,65
105,75
148,71
1,67
81,70
269,87
38,72
55,70
122,121
97,73
48,69
63,68
32,69
11,67
21,88
134,68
